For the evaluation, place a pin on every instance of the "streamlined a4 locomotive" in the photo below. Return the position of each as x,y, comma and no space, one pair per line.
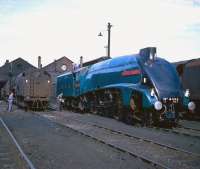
140,87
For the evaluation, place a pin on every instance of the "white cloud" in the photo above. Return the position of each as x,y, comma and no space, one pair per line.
70,28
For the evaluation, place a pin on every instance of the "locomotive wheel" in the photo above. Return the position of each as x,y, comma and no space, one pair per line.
81,105
155,118
119,115
74,104
145,116
134,114
148,118
68,104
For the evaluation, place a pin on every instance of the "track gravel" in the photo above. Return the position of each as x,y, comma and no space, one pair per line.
155,153
186,143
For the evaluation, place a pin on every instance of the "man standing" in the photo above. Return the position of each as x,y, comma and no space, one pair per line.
10,101
60,101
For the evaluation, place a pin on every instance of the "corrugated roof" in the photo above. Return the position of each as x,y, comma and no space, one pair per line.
195,62
189,63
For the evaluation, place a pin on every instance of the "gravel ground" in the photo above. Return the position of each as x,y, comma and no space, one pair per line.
159,154
51,146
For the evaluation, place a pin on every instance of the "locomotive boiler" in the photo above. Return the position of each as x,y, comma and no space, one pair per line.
140,87
33,89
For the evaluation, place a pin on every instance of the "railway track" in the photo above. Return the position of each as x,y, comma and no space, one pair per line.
149,134
192,129
11,154
186,131
182,130
141,138
155,153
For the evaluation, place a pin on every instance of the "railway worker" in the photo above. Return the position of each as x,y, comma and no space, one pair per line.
75,67
10,101
60,101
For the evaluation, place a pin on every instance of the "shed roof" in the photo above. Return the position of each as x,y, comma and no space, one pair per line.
12,69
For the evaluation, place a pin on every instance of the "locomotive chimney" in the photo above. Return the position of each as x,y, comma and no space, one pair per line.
152,53
7,61
39,62
148,53
81,61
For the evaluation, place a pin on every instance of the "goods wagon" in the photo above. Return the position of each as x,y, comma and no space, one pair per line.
140,87
33,89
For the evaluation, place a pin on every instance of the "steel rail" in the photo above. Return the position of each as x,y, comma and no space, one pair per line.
177,132
174,131
139,138
24,156
189,128
143,158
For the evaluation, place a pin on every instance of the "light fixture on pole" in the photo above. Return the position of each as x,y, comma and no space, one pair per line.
109,34
100,34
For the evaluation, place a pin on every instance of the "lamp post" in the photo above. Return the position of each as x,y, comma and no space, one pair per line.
10,74
109,33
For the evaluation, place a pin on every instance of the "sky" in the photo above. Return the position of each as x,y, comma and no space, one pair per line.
55,28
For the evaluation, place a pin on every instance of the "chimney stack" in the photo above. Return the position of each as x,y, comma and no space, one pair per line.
39,62
81,61
7,61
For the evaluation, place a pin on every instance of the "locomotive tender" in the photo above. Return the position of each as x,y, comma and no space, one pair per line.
140,87
32,89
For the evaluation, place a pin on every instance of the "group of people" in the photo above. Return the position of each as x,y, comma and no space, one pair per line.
60,101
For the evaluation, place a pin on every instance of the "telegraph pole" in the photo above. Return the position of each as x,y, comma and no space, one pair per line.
109,32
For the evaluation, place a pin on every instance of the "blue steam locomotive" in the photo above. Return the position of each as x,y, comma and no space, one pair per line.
140,87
